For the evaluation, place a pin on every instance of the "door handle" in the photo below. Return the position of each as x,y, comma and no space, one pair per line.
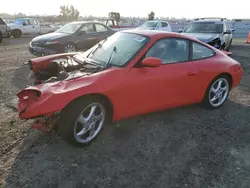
192,73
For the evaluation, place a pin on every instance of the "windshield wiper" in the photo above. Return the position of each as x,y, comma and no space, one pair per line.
110,57
98,46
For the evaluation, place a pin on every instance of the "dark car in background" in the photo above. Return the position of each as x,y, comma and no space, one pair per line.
213,31
72,37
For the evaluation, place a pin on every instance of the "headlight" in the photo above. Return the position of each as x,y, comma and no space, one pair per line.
50,42
215,43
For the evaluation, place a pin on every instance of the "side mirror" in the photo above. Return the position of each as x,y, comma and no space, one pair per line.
24,24
232,30
151,62
82,33
180,30
228,32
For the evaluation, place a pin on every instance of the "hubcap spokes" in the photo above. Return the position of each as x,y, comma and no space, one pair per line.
218,92
69,48
89,123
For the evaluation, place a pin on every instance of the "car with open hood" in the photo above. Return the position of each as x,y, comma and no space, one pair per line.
213,31
131,73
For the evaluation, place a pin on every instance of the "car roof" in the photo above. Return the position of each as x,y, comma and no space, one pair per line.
156,21
83,22
218,21
159,34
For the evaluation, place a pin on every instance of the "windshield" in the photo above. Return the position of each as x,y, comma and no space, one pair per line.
149,24
204,27
19,21
69,28
127,45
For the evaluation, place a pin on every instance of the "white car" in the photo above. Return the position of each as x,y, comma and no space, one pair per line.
25,26
155,25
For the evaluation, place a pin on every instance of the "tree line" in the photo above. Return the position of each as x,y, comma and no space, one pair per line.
69,13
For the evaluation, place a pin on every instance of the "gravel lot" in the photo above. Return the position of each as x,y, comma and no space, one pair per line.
182,147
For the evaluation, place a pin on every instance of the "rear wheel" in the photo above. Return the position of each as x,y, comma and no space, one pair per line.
82,121
217,92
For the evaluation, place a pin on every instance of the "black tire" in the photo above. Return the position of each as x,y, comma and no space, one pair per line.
206,102
1,37
230,45
16,33
69,116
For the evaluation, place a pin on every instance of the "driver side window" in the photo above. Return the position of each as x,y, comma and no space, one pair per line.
170,50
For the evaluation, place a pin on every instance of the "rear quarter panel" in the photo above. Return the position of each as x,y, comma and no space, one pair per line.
210,68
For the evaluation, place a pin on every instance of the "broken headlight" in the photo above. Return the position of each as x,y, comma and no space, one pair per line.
215,43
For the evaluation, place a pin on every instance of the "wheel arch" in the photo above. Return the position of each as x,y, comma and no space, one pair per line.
228,75
107,101
17,29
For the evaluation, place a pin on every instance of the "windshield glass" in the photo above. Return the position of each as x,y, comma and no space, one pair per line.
19,21
126,44
69,28
149,24
204,27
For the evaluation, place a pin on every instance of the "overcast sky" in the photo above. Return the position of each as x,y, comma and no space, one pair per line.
167,8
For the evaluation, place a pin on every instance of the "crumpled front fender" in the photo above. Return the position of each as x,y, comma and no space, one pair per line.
53,97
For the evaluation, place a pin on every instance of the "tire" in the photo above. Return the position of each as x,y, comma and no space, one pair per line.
70,122
69,47
230,45
222,47
1,37
16,33
224,93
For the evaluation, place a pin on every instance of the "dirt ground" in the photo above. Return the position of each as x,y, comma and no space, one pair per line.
183,147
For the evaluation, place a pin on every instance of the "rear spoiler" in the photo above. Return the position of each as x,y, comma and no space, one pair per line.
226,52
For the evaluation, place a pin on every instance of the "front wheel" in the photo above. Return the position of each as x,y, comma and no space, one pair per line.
82,121
217,93
16,33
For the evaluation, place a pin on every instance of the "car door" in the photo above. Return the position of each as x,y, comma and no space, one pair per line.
27,26
169,85
86,36
228,36
36,26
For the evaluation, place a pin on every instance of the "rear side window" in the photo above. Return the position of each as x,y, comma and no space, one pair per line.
164,24
200,51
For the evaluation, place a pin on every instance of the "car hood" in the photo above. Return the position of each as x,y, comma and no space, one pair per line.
50,36
13,25
204,37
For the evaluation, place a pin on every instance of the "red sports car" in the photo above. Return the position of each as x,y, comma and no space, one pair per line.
133,72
